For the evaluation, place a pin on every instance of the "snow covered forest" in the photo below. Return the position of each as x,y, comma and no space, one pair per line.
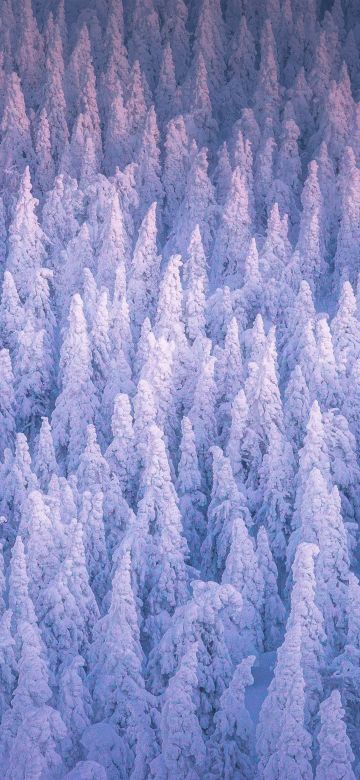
179,389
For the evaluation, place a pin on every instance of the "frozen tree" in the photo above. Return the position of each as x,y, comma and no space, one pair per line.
120,453
165,580
91,517
26,238
243,572
176,164
202,413
336,756
117,682
197,206
148,172
232,750
313,454
196,284
344,328
276,478
267,93
32,729
16,150
44,162
145,43
54,98
42,534
198,631
74,704
144,276
8,665
45,464
227,506
183,747
239,418
7,402
29,53
322,524
283,742
113,251
297,406
75,404
273,609
233,237
229,373
192,500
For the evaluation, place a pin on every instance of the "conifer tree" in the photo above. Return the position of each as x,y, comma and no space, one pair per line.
336,755
26,239
75,405
192,500
7,402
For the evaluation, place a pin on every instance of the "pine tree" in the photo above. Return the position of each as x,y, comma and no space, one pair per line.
45,464
232,748
202,413
26,238
273,608
148,172
120,453
267,94
117,656
192,499
243,572
145,43
176,165
283,743
336,755
233,237
29,52
75,405
74,705
144,277
197,632
54,98
297,406
44,162
227,506
196,284
165,581
16,150
44,542
32,729
7,402
344,328
91,517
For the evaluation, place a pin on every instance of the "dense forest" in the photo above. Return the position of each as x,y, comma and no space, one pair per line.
179,390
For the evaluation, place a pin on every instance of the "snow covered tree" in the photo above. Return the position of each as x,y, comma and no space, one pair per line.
243,572
45,464
117,682
233,237
189,487
120,453
144,278
232,749
7,402
32,730
227,506
75,405
165,580
273,609
26,238
16,150
336,756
